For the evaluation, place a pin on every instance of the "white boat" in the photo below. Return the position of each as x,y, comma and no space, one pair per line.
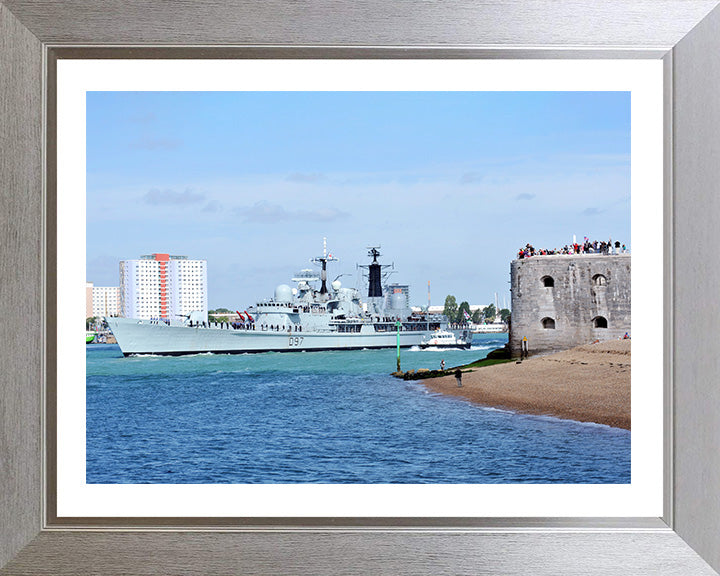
497,326
492,328
446,339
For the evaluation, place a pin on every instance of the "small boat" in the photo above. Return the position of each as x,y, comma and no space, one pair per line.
89,337
493,328
445,339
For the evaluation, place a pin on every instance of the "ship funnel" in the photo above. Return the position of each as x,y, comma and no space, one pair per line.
374,277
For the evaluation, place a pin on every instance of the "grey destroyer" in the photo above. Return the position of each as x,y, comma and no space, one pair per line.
307,317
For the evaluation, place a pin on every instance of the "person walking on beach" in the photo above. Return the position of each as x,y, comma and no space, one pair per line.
442,365
458,377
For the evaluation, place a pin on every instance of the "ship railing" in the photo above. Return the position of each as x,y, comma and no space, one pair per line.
271,305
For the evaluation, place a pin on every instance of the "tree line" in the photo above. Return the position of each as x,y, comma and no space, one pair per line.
96,323
456,312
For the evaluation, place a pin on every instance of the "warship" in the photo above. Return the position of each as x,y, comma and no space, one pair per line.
307,317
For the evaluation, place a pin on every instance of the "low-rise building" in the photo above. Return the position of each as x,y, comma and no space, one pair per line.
106,301
101,301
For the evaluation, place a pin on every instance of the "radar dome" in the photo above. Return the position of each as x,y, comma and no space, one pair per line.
336,285
283,293
397,301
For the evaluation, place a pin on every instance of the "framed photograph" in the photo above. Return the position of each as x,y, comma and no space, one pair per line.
80,464
381,157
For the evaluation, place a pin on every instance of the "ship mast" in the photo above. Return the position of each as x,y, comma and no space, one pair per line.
323,260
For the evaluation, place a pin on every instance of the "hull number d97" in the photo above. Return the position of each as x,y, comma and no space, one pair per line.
296,341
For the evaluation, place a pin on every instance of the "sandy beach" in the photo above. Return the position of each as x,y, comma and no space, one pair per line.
589,383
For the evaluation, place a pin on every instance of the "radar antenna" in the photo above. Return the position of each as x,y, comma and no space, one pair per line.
374,251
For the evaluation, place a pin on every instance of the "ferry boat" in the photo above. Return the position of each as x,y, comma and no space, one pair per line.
446,339
307,317
492,328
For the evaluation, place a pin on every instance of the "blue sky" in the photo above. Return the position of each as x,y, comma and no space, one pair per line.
450,184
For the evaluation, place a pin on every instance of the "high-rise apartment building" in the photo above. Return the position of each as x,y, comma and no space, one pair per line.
163,286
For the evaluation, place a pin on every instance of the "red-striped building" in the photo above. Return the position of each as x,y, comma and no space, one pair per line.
163,286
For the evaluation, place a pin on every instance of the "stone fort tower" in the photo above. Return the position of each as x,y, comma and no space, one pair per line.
562,301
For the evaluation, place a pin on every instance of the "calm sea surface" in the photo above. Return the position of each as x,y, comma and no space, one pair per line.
329,417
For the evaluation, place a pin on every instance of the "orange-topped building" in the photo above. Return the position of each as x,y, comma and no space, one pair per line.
163,286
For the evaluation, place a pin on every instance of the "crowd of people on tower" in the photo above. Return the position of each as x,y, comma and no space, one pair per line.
586,247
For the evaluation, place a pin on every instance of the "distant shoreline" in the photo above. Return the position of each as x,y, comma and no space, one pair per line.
589,383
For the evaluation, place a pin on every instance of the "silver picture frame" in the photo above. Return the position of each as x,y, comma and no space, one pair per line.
683,33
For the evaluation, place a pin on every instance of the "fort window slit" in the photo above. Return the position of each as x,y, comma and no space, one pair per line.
548,323
600,322
548,281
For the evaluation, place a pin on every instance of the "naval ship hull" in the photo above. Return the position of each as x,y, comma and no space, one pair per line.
141,337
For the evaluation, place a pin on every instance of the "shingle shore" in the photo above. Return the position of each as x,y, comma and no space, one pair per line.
589,383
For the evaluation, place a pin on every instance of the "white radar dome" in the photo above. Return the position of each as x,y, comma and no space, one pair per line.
336,285
283,293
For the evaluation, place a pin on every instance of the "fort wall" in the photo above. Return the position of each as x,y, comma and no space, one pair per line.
562,301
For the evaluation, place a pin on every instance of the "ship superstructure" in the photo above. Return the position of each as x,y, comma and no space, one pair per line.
306,317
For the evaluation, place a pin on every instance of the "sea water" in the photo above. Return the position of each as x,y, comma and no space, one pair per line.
324,417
